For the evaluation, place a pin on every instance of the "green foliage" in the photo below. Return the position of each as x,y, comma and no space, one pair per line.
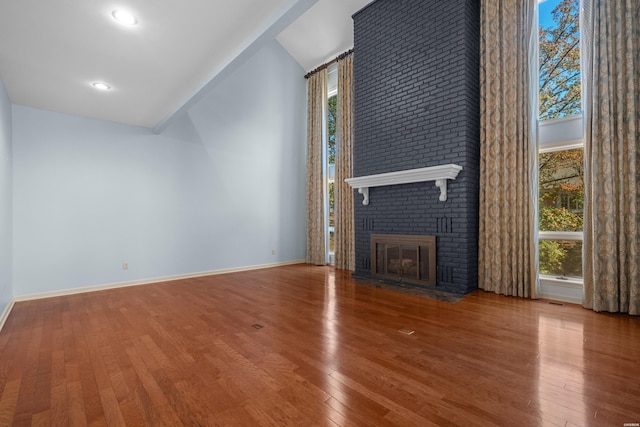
561,190
559,219
559,71
561,183
332,199
551,256
332,114
563,170
560,257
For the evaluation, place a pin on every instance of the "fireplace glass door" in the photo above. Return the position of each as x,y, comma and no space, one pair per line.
404,258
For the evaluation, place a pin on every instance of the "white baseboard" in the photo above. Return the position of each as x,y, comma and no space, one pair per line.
6,312
63,292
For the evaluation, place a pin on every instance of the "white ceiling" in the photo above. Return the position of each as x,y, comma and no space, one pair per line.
321,33
52,50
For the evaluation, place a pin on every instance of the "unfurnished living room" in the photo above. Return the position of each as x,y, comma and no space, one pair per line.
320,212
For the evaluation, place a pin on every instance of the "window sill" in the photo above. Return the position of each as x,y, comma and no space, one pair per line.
572,282
570,290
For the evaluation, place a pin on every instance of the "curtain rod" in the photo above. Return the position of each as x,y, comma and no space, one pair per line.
323,66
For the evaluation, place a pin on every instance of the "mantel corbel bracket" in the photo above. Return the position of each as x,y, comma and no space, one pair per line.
440,174
442,185
365,194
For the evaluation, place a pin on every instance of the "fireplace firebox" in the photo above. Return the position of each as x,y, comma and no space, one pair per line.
402,258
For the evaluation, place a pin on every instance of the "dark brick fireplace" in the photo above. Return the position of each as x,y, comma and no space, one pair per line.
416,73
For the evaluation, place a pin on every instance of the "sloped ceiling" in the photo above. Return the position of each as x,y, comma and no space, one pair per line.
321,33
52,51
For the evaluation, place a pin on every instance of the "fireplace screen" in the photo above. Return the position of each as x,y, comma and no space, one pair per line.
404,258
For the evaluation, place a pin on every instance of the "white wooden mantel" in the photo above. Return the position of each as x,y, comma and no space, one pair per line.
440,174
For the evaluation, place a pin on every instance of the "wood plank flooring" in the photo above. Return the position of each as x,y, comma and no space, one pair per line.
329,353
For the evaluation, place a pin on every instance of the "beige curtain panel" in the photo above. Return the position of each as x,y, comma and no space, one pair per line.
507,252
611,96
343,193
316,95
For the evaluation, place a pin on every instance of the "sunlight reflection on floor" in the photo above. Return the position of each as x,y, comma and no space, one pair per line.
561,371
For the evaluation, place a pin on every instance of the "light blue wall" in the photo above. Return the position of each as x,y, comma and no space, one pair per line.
6,289
219,189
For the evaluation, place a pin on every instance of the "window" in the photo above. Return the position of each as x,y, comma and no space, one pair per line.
560,158
559,61
561,200
330,158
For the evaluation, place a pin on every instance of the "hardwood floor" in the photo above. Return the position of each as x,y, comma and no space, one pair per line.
329,352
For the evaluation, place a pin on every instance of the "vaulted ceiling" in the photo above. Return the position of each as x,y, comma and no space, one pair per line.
51,52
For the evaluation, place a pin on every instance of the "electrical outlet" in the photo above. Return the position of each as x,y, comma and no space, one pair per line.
125,265
273,251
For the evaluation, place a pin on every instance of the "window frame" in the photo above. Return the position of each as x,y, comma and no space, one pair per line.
558,135
328,172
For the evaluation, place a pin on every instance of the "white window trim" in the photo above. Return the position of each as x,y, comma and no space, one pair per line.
551,122
561,145
560,235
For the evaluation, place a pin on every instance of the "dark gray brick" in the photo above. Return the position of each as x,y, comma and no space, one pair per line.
416,78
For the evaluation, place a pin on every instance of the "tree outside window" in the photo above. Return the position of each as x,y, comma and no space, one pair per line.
332,114
559,72
560,172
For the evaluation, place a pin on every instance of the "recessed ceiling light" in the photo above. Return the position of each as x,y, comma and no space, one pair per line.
124,17
101,86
